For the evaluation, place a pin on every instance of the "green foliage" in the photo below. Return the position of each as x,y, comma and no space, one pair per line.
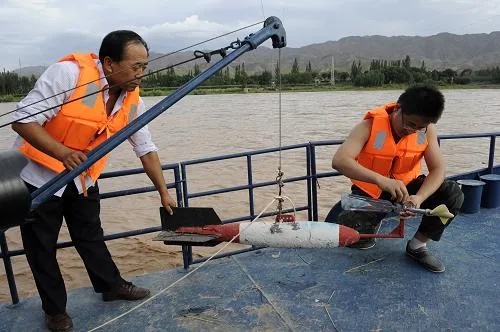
8,98
495,75
449,75
356,70
462,80
235,79
295,67
419,77
277,70
341,76
196,69
309,67
370,79
265,78
13,84
396,75
243,75
406,62
298,78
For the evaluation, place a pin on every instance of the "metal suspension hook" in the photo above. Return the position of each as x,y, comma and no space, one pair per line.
279,206
236,44
208,55
279,181
205,55
275,228
280,216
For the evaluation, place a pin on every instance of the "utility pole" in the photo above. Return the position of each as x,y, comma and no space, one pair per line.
332,73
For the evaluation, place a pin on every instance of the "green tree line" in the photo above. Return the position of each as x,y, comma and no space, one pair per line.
13,84
378,73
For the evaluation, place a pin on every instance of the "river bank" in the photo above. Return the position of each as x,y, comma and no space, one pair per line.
238,89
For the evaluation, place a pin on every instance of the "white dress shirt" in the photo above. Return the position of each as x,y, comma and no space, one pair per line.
53,88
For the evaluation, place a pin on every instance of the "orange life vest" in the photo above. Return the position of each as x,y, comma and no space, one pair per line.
83,124
381,153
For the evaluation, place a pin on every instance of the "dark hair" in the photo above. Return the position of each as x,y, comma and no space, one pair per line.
114,44
422,100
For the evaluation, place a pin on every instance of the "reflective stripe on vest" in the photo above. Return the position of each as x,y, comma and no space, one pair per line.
401,160
83,124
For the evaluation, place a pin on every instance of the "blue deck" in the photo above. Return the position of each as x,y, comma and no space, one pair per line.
311,290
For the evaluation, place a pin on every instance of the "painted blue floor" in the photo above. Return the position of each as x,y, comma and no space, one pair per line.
337,289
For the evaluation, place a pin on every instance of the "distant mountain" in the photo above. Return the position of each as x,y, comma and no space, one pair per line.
441,51
32,70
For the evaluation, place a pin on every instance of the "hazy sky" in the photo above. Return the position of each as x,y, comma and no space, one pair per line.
38,32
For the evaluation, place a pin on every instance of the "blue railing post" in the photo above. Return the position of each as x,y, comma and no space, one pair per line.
314,181
309,182
250,187
182,200
8,268
491,158
187,255
178,185
185,198
187,251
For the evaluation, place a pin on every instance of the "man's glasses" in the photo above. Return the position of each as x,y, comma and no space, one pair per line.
411,126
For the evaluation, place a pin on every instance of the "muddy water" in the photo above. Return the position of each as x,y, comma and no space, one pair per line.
202,126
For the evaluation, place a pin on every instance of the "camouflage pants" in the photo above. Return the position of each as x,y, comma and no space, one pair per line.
449,193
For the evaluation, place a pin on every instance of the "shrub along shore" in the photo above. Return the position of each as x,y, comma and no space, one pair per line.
233,89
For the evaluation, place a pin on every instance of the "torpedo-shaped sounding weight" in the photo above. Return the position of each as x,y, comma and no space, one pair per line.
301,234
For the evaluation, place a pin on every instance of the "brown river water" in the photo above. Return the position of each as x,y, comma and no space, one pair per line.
211,125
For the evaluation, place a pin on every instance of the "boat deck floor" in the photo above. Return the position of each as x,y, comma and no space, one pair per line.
338,289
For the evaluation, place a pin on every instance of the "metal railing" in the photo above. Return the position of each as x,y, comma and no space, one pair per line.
184,195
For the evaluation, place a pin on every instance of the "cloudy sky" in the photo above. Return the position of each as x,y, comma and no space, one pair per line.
37,32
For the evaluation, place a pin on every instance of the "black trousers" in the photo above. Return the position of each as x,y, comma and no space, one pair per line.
40,238
449,193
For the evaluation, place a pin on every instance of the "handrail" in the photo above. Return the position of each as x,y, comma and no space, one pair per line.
183,195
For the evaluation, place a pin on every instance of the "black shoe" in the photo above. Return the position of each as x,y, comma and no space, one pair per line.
126,291
363,244
425,258
59,322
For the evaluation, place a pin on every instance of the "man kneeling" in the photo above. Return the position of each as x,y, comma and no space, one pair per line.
382,156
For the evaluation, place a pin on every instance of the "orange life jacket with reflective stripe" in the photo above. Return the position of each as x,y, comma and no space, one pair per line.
381,153
83,124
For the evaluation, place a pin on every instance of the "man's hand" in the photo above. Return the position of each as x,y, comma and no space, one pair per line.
168,203
71,158
396,188
152,166
37,136
413,201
